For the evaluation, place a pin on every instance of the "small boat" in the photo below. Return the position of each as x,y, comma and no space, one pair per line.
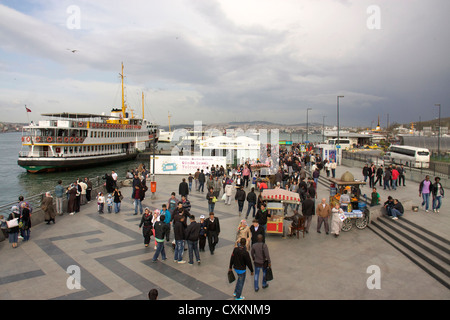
74,140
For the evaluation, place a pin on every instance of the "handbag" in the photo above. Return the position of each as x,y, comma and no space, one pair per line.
13,223
269,274
231,276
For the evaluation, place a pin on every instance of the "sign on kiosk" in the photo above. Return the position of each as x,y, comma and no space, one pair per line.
184,164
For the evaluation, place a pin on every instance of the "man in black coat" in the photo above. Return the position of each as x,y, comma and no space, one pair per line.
162,230
212,231
201,180
183,188
308,211
256,230
192,233
179,232
261,215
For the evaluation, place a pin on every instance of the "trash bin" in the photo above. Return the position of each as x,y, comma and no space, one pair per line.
153,186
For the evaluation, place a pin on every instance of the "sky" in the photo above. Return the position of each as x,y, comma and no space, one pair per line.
218,61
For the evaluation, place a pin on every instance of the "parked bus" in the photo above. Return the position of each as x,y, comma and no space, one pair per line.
408,156
344,143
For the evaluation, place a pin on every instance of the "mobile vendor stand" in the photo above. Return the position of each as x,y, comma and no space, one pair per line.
357,214
262,173
276,199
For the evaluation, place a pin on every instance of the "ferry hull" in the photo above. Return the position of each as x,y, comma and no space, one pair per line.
41,165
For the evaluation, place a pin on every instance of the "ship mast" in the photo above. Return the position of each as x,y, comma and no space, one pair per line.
142,105
123,95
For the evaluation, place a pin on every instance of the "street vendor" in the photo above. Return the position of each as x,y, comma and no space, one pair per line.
344,200
296,219
261,215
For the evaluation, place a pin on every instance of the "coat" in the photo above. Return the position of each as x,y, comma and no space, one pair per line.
49,208
322,211
244,232
308,207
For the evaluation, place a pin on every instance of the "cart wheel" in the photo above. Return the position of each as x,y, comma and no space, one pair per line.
361,223
347,224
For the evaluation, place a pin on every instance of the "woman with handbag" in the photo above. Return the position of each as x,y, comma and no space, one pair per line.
13,226
261,260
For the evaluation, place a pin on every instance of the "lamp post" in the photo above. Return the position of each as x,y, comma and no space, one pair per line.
439,124
338,128
307,124
323,129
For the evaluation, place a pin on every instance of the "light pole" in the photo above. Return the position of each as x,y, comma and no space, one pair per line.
307,124
338,128
323,129
439,124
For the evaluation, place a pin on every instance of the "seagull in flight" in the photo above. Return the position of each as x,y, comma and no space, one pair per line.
72,50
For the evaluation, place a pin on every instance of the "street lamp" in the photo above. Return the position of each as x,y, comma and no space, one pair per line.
439,124
307,124
337,141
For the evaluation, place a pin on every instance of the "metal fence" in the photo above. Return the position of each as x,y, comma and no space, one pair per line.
435,168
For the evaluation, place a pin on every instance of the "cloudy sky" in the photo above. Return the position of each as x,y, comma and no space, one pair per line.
227,60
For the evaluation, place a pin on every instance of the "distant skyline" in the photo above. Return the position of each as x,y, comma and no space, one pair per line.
227,60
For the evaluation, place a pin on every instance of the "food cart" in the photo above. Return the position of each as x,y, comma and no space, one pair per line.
357,214
276,199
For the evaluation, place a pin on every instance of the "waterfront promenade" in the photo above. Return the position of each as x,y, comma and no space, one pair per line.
115,265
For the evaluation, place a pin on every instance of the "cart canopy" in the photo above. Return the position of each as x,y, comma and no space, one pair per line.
280,195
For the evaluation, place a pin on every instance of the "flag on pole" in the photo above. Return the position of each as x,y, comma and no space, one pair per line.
28,110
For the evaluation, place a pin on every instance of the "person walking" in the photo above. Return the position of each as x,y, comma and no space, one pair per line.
162,231
196,175
240,199
180,235
251,199
228,192
100,202
183,188
387,178
323,211
424,192
333,166
243,231
146,221
257,230
308,211
240,261
394,178
261,260
192,234
401,177
212,231
211,199
379,175
88,189
137,199
117,200
437,192
336,222
59,193
201,180
202,234
49,208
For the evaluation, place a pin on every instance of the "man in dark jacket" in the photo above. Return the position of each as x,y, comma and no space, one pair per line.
192,233
251,199
183,188
257,230
212,231
240,198
201,180
397,210
240,260
308,211
162,230
262,216
179,232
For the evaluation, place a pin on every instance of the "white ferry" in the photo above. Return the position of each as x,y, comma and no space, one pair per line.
73,140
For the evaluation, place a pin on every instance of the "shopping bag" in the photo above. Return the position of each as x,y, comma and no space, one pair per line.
231,276
214,200
13,223
269,274
224,197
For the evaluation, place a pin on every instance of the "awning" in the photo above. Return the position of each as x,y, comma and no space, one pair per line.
280,195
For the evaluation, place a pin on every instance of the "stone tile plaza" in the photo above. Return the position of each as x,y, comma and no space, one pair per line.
109,255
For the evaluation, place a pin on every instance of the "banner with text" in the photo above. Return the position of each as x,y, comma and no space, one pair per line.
184,164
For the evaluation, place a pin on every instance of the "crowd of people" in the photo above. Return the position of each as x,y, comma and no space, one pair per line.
174,222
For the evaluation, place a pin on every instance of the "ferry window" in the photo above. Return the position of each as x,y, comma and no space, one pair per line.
70,149
65,150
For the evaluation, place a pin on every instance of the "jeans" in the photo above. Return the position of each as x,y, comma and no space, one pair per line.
202,185
193,248
426,200
239,284
159,250
137,202
117,207
59,205
437,202
394,184
395,213
250,206
386,184
240,206
264,272
211,207
179,249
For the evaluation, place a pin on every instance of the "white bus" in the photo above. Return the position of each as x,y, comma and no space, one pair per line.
408,156
344,143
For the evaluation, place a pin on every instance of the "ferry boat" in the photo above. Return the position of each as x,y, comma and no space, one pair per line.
74,140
